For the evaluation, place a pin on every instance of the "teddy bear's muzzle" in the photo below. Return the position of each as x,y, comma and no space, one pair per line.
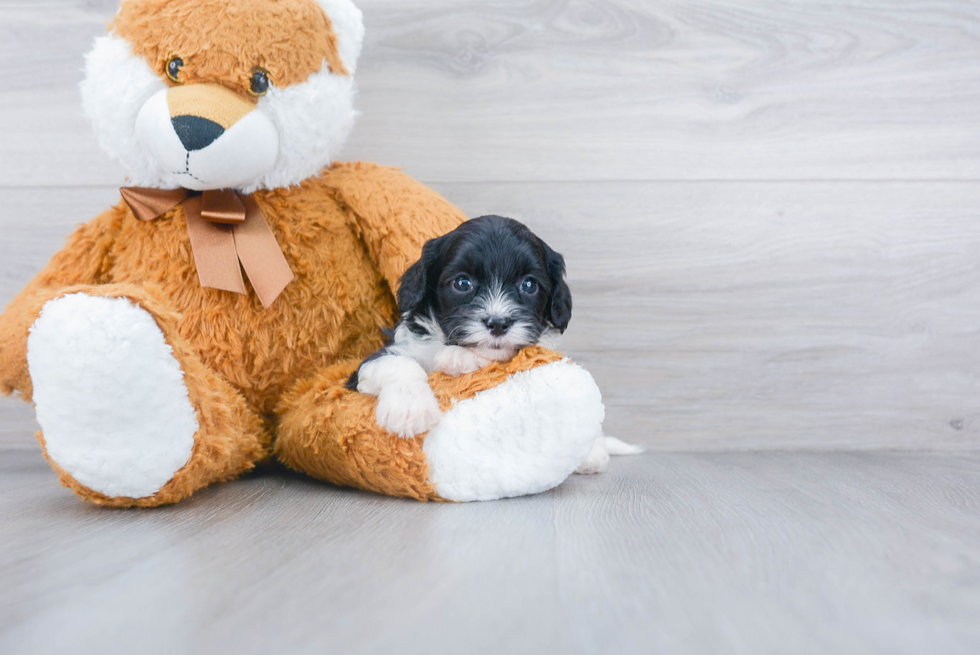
205,137
201,113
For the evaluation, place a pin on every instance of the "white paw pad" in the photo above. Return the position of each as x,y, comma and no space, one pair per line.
110,397
408,408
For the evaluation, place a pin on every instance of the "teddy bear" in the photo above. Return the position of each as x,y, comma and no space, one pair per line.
210,320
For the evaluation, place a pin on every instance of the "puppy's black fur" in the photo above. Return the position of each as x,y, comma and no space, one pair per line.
491,285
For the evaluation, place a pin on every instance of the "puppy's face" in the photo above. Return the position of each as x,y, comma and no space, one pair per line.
492,285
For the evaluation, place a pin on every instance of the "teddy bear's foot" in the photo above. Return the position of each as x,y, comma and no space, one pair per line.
524,436
110,396
118,422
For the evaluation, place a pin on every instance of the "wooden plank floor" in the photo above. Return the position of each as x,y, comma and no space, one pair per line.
771,216
668,553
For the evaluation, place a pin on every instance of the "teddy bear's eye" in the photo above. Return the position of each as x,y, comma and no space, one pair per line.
173,68
259,82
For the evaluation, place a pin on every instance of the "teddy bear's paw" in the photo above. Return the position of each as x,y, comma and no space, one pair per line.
408,409
524,436
111,398
456,361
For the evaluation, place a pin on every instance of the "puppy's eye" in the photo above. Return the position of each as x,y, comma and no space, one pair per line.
529,286
173,68
463,284
259,82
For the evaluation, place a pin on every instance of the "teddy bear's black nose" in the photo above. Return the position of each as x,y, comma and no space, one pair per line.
196,133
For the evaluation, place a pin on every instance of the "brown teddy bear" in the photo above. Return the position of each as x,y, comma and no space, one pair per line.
158,368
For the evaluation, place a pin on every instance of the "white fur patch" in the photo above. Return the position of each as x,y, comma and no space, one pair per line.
116,86
111,398
408,409
495,353
550,339
348,25
522,437
496,303
375,375
313,119
423,349
617,447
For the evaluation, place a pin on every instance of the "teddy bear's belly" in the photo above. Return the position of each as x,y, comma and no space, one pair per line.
334,309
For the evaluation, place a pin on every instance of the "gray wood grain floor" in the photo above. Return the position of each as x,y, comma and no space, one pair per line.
771,216
669,553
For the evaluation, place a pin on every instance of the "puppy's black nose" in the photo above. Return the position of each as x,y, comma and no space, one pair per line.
196,133
498,325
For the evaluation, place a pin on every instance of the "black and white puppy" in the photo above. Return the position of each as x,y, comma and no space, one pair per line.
478,294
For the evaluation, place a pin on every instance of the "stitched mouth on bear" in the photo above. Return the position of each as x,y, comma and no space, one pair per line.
187,170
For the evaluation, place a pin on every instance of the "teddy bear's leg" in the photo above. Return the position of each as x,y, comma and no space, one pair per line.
507,430
129,414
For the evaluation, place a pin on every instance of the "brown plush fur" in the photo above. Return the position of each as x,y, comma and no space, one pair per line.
348,235
263,381
290,39
330,433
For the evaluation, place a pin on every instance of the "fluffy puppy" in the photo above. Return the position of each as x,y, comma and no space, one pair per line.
478,294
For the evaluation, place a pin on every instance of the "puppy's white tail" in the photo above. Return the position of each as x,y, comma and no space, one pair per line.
617,447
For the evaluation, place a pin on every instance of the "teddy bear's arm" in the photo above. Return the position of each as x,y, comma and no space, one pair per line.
83,260
393,214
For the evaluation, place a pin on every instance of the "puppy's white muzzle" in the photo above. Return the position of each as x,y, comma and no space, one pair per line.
207,137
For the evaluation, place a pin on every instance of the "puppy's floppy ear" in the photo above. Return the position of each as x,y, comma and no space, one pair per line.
560,303
420,275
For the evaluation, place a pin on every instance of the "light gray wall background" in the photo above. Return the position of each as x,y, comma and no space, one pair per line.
770,210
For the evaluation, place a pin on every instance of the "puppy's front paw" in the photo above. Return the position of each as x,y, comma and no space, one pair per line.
408,409
597,461
455,361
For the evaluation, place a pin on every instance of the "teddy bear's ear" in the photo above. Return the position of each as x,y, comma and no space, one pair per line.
348,25
421,275
560,303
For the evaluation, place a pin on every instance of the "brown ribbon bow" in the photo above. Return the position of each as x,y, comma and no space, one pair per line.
225,228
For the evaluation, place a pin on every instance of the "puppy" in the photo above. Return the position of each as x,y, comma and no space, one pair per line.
477,295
